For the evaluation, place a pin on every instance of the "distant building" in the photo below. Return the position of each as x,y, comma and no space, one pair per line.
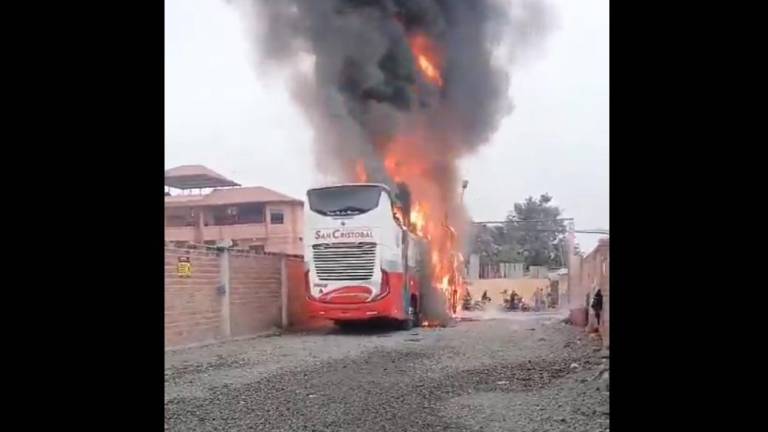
254,218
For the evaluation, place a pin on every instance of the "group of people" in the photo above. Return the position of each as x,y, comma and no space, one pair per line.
468,304
514,301
540,301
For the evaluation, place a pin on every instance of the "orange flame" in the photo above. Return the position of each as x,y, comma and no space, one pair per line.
426,58
399,215
430,71
418,219
427,217
390,164
404,163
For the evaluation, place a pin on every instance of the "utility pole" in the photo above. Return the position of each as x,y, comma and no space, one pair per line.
567,249
465,269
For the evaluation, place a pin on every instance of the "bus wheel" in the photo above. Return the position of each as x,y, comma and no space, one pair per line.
416,312
407,323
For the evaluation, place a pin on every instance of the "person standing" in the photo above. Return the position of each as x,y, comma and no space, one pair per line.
537,300
513,300
597,305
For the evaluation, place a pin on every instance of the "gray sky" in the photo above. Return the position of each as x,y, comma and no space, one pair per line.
220,113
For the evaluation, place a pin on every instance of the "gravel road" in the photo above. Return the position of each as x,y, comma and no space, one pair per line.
517,372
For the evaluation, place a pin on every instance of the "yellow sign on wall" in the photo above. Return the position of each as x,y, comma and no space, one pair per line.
184,267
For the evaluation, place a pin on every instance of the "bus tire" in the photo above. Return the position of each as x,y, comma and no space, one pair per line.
408,322
417,311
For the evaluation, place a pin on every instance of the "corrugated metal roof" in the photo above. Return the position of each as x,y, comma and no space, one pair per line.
194,177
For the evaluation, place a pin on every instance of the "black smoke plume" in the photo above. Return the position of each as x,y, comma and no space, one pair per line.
368,96
365,88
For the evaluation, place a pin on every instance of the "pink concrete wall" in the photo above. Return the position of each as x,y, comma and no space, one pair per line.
591,270
276,238
284,238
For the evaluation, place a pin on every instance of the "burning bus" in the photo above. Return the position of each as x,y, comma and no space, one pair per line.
423,86
362,262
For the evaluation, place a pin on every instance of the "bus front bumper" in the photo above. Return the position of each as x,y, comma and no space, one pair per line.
388,307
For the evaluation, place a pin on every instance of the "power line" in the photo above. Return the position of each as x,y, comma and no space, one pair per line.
519,221
586,231
515,221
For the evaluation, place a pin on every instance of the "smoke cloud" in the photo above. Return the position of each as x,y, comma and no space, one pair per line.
401,90
364,88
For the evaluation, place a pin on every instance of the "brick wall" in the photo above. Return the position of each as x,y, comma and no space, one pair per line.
192,306
196,310
297,298
589,271
255,303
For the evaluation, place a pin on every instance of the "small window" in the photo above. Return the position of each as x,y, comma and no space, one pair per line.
259,249
250,213
276,217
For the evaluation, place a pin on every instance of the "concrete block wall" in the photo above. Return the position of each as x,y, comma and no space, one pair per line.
298,317
198,310
255,302
192,306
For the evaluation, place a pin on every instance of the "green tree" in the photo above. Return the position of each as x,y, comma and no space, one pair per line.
537,232
508,248
531,235
486,244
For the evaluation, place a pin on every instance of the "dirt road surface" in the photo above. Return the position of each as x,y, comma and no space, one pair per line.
517,372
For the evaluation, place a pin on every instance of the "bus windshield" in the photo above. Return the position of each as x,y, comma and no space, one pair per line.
344,200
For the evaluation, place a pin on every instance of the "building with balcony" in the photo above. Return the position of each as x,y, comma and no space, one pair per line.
204,207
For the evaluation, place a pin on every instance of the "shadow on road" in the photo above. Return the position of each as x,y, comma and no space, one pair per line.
366,328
